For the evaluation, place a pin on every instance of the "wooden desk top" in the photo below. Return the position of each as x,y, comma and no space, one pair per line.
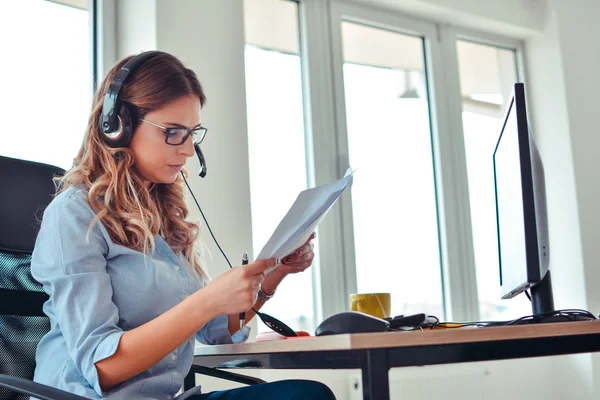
405,339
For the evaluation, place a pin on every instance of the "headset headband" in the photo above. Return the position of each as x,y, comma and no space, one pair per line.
112,102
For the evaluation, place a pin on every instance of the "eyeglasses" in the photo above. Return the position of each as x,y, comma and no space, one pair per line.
177,136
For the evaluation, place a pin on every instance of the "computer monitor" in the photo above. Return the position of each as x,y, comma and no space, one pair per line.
521,212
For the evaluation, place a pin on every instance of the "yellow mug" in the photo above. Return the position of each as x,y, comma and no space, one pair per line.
375,304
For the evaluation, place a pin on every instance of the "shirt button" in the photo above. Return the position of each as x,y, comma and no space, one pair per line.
177,268
173,357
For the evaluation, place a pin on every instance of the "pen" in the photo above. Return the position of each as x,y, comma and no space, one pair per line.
243,313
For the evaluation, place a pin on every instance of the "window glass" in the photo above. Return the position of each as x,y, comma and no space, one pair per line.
487,74
46,79
393,195
276,141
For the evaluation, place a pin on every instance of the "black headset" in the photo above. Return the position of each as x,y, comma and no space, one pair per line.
116,125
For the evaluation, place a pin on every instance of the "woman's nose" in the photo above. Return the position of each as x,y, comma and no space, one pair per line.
187,148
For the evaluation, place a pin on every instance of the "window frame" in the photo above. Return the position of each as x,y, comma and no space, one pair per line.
322,64
454,34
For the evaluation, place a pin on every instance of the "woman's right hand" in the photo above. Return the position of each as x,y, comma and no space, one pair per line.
236,290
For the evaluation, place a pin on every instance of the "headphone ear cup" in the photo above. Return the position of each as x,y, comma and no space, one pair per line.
121,136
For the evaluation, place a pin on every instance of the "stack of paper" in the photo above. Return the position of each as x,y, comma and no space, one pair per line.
302,219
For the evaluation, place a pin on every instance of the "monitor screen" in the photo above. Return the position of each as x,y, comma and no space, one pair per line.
520,202
509,206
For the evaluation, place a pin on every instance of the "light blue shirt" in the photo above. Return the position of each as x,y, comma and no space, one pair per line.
98,290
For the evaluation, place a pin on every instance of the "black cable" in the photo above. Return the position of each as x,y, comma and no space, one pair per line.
273,323
431,325
208,226
527,294
455,325
566,315
205,221
437,321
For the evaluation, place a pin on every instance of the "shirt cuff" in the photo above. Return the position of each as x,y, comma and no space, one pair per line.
105,349
217,332
242,335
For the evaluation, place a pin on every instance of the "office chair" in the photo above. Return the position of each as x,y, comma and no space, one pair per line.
27,188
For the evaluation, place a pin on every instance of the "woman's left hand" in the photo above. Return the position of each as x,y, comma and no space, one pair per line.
300,259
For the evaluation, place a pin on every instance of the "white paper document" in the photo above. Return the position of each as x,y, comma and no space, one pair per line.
302,219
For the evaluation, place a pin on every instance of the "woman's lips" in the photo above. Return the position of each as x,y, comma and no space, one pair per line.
176,167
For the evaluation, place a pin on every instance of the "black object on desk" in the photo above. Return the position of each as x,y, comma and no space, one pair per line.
358,322
407,321
351,322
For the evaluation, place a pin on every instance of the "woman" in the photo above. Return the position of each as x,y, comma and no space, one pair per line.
118,259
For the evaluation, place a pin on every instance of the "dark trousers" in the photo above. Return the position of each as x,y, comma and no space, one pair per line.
293,389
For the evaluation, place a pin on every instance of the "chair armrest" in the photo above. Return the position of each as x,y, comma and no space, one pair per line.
36,390
189,381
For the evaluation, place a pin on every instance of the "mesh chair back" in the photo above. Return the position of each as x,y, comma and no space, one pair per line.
27,189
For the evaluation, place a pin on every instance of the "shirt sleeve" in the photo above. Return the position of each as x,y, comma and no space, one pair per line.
71,264
216,331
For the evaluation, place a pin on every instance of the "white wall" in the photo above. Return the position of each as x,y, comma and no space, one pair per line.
135,27
208,37
549,120
578,38
517,17
564,82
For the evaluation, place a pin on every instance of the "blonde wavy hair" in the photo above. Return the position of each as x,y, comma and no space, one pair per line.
132,213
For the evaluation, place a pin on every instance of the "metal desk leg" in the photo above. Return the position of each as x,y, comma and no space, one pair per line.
375,380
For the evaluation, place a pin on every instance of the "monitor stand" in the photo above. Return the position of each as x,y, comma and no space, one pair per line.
541,296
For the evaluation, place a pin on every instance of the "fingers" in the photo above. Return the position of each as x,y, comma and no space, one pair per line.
298,263
256,281
296,267
312,236
308,246
301,254
299,258
260,266
305,258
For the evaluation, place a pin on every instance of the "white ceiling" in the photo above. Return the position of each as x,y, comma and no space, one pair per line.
81,4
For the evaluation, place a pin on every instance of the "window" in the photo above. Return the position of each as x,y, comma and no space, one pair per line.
402,91
389,143
276,140
414,107
47,84
487,74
